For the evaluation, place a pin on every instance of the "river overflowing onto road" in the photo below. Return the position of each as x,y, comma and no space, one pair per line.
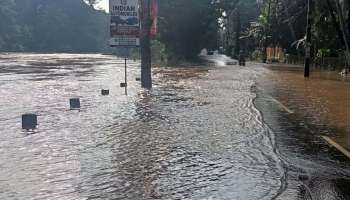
196,135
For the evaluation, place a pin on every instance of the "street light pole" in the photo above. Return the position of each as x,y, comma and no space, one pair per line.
146,62
308,40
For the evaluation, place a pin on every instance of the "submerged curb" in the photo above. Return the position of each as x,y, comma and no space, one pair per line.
337,146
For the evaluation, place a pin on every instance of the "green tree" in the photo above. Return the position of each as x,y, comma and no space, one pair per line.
187,26
236,18
51,25
8,27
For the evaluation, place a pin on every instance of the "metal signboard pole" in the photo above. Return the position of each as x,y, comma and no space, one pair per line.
126,77
125,28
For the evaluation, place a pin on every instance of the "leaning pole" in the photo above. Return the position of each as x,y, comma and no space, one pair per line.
308,40
146,63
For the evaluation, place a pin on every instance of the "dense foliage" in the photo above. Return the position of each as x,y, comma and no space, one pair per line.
236,17
51,25
283,23
187,26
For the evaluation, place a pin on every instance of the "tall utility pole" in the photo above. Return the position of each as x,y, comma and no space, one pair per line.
146,63
308,40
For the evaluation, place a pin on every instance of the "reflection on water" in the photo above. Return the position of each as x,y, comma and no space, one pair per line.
196,135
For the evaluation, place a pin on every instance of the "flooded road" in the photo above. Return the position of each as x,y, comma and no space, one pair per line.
201,133
301,111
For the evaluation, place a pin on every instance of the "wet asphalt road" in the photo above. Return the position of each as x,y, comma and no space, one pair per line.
299,115
201,133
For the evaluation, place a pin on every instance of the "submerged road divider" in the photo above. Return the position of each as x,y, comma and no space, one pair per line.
74,103
29,121
104,92
337,146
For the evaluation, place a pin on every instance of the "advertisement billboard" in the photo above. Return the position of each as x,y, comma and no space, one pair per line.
125,22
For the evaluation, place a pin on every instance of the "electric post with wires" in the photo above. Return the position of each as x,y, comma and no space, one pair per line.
149,12
149,29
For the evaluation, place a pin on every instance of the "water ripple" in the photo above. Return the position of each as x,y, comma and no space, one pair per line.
197,135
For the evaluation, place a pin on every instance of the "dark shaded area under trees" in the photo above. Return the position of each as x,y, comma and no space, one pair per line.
282,23
186,27
52,26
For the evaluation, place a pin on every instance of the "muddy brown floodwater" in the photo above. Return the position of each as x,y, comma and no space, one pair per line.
301,111
322,100
201,133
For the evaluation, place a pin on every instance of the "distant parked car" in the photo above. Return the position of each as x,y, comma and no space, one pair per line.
218,59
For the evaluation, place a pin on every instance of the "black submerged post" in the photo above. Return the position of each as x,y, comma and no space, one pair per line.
74,103
29,121
104,92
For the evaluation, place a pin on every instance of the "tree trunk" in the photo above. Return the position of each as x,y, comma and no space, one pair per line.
308,39
348,18
238,35
344,33
146,62
335,23
267,31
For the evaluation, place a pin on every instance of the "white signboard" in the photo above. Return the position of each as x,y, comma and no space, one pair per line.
125,22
